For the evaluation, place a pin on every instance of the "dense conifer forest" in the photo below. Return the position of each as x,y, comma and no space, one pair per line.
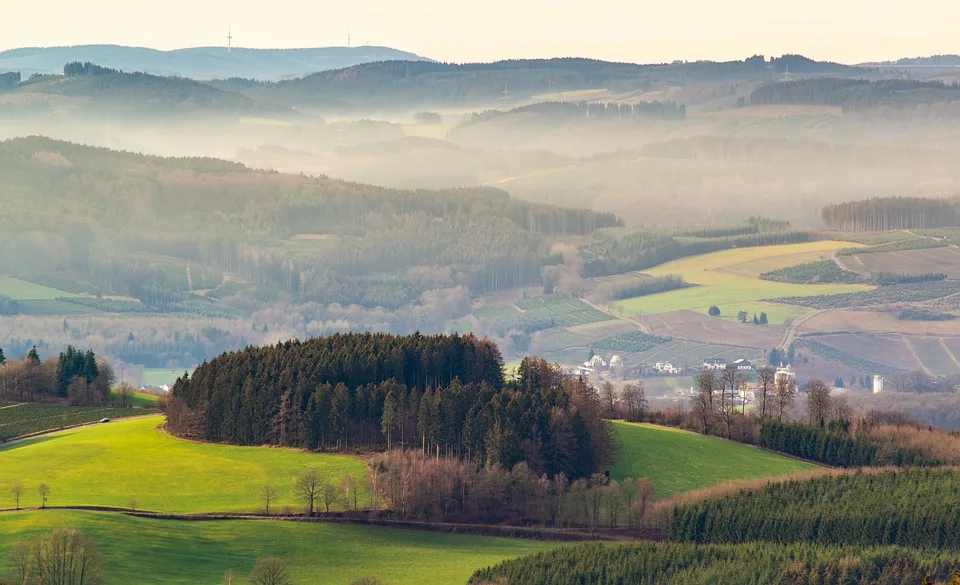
855,94
316,239
891,213
753,564
441,394
912,508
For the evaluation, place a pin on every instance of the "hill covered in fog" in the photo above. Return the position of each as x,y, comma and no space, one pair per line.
201,62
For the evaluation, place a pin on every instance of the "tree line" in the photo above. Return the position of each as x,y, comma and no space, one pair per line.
855,94
912,508
9,80
564,111
444,395
890,213
747,564
75,376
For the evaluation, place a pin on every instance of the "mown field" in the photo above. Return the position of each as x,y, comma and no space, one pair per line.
678,461
163,552
17,420
731,279
21,290
114,463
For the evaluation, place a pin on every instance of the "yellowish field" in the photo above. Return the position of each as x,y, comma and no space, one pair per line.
569,95
730,279
777,313
435,131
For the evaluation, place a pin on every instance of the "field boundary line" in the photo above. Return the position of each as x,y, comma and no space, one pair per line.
357,519
913,352
946,349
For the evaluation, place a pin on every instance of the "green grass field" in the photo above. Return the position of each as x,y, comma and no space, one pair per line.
21,290
678,461
114,463
160,376
17,420
777,313
730,278
140,399
163,552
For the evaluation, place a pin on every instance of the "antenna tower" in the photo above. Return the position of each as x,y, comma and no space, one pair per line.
505,94
348,36
229,39
786,75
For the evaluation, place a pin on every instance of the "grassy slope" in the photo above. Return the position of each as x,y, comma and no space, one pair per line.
114,463
21,290
164,552
678,461
17,420
730,278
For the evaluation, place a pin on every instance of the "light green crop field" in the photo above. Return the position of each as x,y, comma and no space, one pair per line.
730,278
20,290
160,376
114,463
141,399
18,420
164,552
679,461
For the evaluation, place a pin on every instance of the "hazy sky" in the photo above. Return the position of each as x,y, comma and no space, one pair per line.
467,30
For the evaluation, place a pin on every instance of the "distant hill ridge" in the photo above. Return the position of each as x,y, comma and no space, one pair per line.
202,62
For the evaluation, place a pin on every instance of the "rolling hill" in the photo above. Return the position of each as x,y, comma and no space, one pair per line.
395,84
201,62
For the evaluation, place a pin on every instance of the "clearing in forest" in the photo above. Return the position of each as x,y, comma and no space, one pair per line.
730,279
115,463
678,461
140,550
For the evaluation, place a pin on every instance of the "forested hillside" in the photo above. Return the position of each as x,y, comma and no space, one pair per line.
117,220
891,213
139,93
855,94
442,394
397,82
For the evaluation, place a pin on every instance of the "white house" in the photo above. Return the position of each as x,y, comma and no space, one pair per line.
616,362
784,373
596,362
741,364
714,364
667,368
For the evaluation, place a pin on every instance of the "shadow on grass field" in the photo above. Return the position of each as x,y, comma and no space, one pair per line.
164,552
678,461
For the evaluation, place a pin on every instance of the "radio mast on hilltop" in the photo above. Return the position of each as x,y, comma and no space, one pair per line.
348,36
229,39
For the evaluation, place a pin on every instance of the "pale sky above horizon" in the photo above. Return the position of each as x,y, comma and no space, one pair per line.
848,31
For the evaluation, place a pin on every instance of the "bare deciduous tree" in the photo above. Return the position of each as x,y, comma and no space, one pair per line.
63,557
818,400
766,378
330,495
786,390
44,490
270,571
608,400
268,495
350,487
307,489
17,491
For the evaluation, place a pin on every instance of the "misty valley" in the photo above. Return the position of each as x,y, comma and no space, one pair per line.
514,322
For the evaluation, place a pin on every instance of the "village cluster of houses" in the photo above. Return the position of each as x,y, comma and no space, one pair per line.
596,364
708,365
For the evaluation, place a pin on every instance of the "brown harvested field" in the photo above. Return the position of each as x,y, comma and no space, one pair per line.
874,321
934,355
945,260
780,111
890,350
754,268
691,325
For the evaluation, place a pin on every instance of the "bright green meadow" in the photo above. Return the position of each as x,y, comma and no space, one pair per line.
678,461
114,463
149,551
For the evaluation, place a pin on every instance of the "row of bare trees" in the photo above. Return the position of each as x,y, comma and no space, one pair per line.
446,489
719,404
